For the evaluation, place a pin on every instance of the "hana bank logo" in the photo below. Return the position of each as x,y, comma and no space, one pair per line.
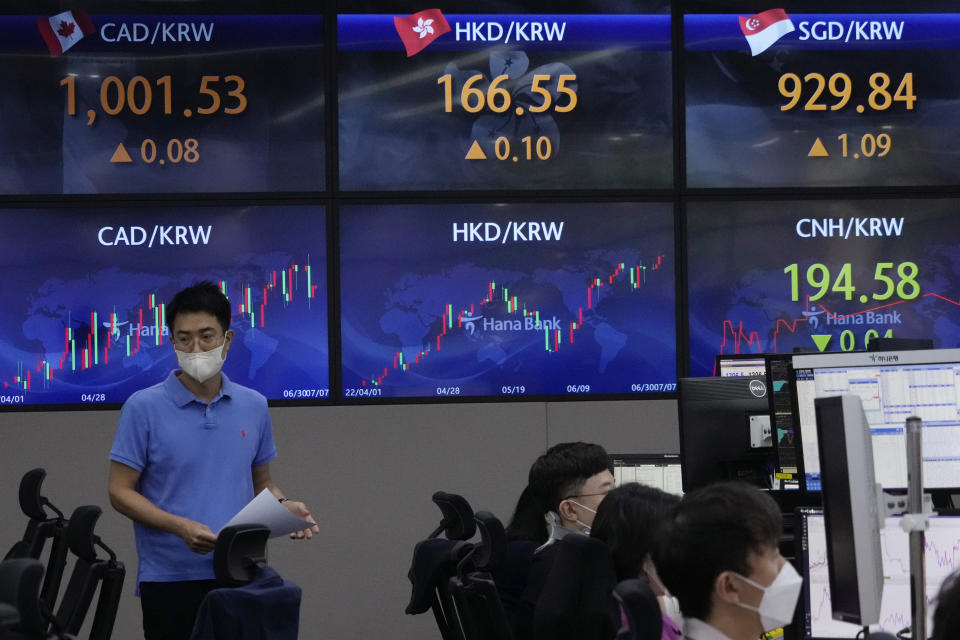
420,29
764,29
470,324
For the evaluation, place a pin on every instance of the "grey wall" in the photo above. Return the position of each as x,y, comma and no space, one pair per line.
367,474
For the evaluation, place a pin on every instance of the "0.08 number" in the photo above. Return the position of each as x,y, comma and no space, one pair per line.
818,277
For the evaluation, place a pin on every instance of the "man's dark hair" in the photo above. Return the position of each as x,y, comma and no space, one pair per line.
712,530
203,296
946,617
557,474
628,520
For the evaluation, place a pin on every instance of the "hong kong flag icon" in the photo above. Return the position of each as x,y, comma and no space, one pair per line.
64,30
420,29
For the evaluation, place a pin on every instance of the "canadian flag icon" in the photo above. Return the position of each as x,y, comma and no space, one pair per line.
420,29
64,30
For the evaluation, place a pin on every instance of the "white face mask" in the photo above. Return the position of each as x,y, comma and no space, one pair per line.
671,607
779,599
203,365
586,528
668,603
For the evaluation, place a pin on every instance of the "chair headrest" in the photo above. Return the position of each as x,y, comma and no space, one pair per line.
240,551
434,560
80,534
458,522
488,555
31,502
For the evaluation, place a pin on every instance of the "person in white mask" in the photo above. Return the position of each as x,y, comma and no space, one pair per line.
189,453
564,488
627,521
719,555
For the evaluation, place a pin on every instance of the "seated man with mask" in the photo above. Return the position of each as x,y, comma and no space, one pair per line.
565,486
718,553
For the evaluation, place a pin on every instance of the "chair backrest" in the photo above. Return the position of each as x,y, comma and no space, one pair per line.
90,572
40,528
577,598
240,551
639,603
435,561
20,580
474,592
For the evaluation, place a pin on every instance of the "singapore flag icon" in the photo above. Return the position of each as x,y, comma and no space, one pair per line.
765,28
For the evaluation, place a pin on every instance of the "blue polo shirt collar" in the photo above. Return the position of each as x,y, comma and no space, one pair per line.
182,396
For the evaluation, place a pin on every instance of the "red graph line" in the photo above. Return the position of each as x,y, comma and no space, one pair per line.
734,332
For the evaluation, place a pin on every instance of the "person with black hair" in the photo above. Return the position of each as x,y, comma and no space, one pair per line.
946,616
564,488
628,520
718,553
189,453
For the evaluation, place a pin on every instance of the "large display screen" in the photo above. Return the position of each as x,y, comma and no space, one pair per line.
822,94
507,299
146,103
83,299
818,275
434,100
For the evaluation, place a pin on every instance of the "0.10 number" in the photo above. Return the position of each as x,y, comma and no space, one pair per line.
542,147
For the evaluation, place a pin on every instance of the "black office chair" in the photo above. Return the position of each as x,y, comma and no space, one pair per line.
252,601
23,614
474,592
240,552
90,572
435,561
577,602
639,603
40,528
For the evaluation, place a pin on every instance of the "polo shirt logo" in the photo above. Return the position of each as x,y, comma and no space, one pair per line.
243,434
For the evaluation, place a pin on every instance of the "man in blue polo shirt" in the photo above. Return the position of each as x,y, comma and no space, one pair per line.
189,453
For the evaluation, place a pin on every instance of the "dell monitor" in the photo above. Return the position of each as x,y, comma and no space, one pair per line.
725,431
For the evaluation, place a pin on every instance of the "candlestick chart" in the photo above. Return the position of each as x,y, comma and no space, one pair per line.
507,300
85,322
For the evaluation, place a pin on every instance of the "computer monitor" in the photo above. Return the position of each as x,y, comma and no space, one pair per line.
725,431
654,470
893,385
850,509
752,365
816,621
